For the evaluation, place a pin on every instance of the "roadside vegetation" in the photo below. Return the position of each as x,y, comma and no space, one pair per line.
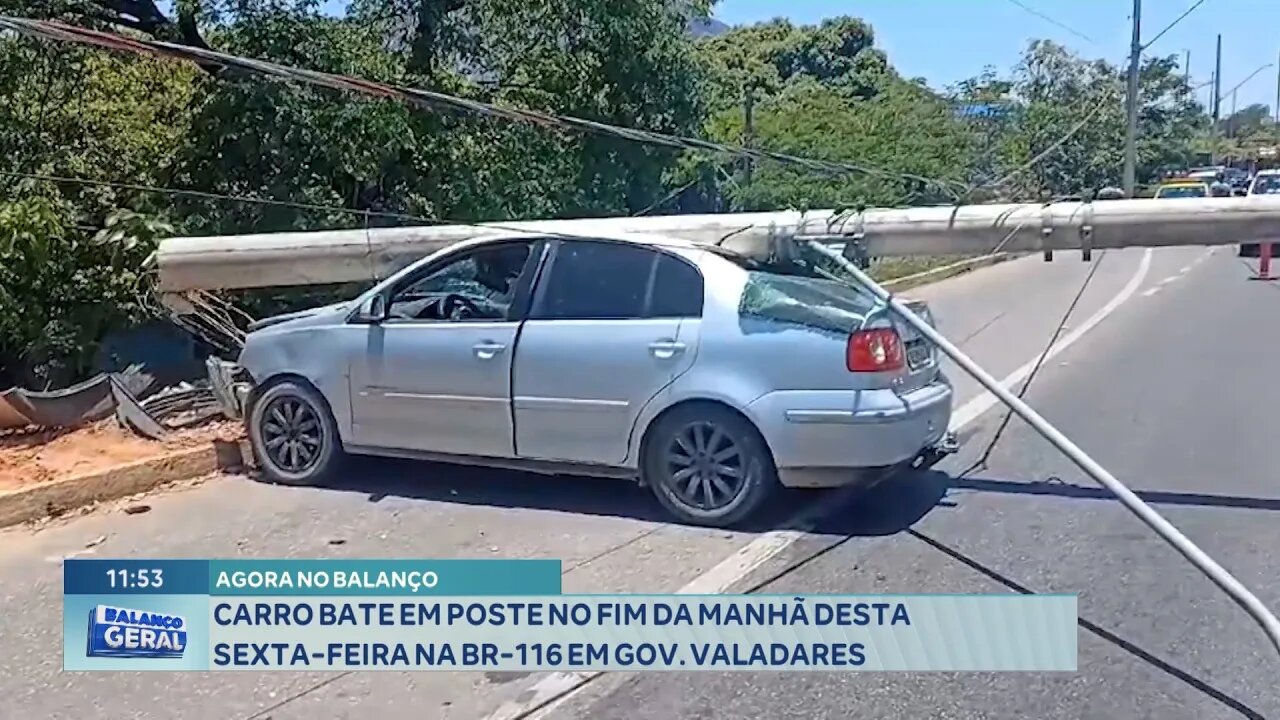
71,252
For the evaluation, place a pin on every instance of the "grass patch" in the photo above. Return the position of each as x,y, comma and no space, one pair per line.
886,269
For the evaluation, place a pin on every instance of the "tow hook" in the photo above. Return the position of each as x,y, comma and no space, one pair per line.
948,444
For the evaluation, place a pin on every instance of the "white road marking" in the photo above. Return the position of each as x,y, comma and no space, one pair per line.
1185,270
1152,291
1169,279
556,687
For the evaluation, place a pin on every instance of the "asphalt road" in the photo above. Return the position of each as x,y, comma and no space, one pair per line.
1176,394
1162,372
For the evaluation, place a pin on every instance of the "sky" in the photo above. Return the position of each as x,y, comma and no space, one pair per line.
945,41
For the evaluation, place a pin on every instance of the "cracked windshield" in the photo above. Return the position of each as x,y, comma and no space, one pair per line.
639,359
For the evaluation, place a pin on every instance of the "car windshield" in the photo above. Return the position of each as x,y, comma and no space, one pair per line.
1181,191
1266,185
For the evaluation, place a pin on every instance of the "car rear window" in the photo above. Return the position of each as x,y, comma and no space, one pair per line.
809,302
798,293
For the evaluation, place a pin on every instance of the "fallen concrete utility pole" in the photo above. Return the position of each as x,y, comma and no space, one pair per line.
339,256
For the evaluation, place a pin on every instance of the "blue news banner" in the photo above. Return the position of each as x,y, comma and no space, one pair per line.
510,615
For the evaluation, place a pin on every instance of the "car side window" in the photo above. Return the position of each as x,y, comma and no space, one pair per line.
677,289
596,281
480,285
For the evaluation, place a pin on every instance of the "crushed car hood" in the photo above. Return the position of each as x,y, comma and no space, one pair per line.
301,317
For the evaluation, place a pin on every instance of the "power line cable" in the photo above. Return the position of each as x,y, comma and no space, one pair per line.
436,101
981,462
1052,21
1171,25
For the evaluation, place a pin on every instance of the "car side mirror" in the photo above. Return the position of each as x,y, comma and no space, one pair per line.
374,309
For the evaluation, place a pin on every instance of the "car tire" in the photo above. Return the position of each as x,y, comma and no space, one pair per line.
703,449
293,434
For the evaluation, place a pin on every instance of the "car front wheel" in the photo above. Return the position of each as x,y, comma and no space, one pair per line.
293,434
708,466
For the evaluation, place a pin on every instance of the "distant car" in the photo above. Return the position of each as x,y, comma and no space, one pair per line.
711,377
1237,178
1182,189
1204,176
1220,189
1266,182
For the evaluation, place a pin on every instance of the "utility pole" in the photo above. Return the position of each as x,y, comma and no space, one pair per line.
1217,104
1278,92
1186,69
1131,131
748,128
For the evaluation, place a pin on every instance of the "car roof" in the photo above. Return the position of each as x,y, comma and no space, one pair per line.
1268,171
1183,183
592,234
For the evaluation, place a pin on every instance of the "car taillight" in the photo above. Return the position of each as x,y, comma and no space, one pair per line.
875,350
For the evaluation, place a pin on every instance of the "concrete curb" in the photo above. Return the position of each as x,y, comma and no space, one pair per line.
58,497
946,271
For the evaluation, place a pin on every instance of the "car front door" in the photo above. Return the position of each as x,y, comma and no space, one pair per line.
435,374
597,347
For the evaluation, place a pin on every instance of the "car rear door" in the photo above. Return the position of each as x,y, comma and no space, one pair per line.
603,338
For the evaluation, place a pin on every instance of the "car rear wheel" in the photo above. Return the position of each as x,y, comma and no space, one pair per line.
708,466
293,434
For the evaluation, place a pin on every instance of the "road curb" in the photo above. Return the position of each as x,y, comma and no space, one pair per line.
946,271
58,497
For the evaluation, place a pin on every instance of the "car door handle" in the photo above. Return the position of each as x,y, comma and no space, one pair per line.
485,350
665,348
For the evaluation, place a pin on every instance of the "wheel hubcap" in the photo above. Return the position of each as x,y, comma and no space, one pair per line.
291,434
705,468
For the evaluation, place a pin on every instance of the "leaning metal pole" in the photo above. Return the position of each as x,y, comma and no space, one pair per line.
1166,530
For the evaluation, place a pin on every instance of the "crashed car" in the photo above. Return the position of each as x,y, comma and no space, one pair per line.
711,377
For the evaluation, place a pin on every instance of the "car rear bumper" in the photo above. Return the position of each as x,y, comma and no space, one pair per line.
817,437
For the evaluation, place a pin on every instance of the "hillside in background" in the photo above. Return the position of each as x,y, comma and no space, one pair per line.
710,27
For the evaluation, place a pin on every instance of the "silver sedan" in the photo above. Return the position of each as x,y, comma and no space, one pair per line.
712,378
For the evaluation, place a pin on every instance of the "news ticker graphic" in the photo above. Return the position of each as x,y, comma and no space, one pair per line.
510,615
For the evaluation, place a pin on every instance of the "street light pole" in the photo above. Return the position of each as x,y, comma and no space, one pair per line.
1131,130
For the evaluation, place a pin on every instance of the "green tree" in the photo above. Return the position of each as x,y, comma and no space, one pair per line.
1067,137
824,91
131,120
68,111
838,53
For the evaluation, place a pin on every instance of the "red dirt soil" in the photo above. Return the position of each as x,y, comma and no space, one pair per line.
28,458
